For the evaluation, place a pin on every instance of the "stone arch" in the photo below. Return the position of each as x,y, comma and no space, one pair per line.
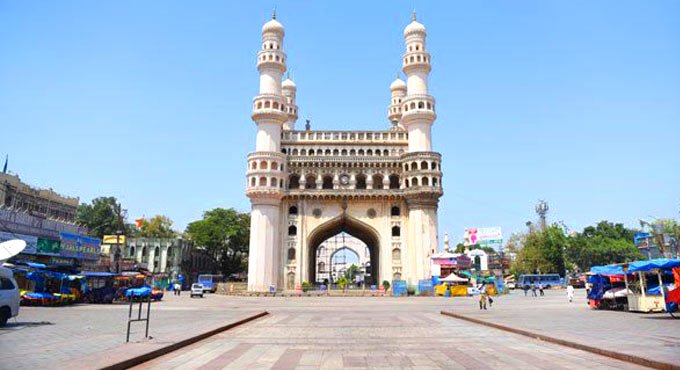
310,182
377,181
426,181
292,230
396,231
353,227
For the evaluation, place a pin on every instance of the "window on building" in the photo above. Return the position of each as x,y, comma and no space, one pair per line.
327,182
294,181
396,231
293,210
395,211
292,230
291,254
394,181
361,181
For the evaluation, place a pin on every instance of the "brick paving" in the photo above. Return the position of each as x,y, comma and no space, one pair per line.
655,336
337,332
369,333
57,337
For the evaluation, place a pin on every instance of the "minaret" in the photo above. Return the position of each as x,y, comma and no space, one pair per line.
398,89
266,166
418,107
422,167
289,91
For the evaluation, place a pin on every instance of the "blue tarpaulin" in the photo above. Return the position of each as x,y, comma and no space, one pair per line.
607,270
98,274
659,263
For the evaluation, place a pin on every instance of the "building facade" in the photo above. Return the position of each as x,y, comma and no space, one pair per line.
43,203
382,187
332,261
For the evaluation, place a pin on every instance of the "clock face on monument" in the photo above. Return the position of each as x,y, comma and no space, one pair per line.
344,179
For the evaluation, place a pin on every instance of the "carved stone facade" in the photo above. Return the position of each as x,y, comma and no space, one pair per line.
381,187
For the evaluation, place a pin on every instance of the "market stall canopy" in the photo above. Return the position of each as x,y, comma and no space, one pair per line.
659,263
607,270
453,278
98,274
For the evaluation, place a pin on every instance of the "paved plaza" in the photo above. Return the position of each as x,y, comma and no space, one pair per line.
337,332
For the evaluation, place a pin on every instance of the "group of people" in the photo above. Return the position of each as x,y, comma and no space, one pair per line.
533,287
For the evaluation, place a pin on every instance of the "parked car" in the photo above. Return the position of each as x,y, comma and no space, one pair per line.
196,290
9,295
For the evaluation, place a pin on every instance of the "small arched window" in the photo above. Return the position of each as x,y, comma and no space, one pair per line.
406,184
291,254
253,181
396,255
361,181
414,166
293,182
369,152
263,181
394,181
433,165
263,165
343,152
426,181
361,152
272,182
396,231
377,181
275,166
435,181
414,181
395,211
310,182
254,165
292,230
327,182
311,152
292,210
328,152
406,167
132,251
423,165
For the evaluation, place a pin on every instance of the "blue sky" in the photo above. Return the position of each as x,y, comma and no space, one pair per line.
574,102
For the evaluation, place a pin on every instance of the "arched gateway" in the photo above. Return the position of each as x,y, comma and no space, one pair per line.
381,187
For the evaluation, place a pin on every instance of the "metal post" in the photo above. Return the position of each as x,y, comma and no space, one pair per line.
148,314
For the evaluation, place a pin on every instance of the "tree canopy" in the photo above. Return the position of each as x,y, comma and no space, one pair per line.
158,226
101,217
225,234
542,252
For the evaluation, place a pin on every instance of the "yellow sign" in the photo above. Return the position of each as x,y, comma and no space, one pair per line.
113,239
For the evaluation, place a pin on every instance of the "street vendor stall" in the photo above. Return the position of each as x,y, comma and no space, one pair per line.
453,284
645,281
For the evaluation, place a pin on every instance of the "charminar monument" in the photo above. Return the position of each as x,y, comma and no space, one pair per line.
306,186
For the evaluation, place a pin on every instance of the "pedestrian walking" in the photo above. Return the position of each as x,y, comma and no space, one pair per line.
533,290
482,298
540,289
525,288
178,288
570,293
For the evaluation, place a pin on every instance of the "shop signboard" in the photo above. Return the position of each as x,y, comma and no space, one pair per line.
114,239
49,247
31,241
79,246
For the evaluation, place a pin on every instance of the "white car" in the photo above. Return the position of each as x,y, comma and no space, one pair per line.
9,295
196,290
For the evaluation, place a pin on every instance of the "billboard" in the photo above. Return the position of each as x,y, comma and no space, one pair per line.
484,236
50,247
79,246
114,239
31,241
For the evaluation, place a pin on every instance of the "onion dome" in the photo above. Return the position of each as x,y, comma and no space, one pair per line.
288,84
273,26
398,84
414,27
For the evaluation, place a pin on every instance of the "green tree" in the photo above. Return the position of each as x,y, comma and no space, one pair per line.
342,282
602,244
104,216
543,252
225,234
352,272
158,226
460,248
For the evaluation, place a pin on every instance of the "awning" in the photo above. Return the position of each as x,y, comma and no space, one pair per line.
659,263
453,278
607,270
98,274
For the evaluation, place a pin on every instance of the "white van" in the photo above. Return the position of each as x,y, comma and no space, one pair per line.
9,295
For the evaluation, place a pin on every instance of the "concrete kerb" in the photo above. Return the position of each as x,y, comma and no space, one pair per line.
130,362
599,351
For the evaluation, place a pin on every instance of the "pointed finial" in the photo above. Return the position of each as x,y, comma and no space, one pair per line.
288,75
413,16
274,13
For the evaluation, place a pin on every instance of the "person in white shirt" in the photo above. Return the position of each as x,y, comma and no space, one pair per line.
570,292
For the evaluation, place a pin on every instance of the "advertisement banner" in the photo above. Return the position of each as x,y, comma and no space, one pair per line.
114,239
484,236
31,241
79,246
49,247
